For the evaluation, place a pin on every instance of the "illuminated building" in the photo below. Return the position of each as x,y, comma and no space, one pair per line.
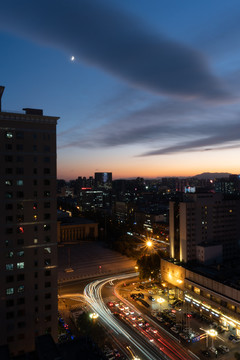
203,218
28,225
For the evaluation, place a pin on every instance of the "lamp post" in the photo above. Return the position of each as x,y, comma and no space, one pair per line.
160,301
212,333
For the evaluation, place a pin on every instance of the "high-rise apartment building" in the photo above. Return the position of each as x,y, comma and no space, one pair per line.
28,228
203,218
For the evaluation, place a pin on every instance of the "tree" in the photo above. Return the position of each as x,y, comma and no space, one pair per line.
149,266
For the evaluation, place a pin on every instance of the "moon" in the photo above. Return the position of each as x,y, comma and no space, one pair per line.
72,58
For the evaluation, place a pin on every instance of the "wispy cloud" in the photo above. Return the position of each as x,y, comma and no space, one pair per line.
102,35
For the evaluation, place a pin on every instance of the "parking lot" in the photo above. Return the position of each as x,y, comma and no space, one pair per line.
205,337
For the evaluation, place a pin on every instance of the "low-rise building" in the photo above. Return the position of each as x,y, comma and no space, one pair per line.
73,230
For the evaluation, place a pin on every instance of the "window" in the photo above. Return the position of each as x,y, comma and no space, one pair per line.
48,296
8,182
47,205
19,159
9,302
21,336
35,228
20,253
20,230
20,206
36,274
9,206
10,315
9,231
8,158
48,307
48,318
21,301
21,324
20,194
9,219
8,146
20,265
9,278
46,193
19,147
34,217
20,218
20,241
19,182
35,193
46,171
34,147
9,291
47,250
46,148
46,227
35,263
19,171
47,272
47,239
9,170
34,182
9,195
47,261
10,254
35,170
47,159
46,182
21,312
20,135
35,241
35,205
20,277
20,289
9,134
35,286
9,266
47,216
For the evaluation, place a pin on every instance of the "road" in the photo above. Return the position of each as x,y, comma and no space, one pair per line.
146,344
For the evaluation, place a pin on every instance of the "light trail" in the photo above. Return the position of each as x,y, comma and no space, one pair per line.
92,293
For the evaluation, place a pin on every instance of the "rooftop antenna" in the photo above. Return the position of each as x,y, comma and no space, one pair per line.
1,92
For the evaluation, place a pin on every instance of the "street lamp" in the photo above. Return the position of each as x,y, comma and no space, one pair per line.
212,333
160,301
149,243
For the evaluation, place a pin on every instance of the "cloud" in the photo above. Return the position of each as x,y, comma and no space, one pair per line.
104,36
165,127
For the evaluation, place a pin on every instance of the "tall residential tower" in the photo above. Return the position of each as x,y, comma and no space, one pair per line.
28,228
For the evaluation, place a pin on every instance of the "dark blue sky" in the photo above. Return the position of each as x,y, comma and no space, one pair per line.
153,90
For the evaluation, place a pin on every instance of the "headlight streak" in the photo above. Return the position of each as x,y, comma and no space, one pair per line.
92,293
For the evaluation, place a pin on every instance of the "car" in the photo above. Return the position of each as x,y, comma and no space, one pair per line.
131,312
223,349
236,339
151,298
153,330
231,337
174,329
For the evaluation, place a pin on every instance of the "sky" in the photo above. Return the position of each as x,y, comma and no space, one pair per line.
153,91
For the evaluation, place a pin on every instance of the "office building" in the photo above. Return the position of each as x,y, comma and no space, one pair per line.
28,226
203,218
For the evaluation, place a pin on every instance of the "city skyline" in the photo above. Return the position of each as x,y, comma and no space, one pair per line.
152,91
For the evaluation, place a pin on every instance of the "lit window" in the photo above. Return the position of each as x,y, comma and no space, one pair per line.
20,229
46,227
9,195
20,265
9,266
47,250
35,206
8,182
20,206
46,193
35,217
20,289
35,241
10,291
10,254
9,135
20,253
20,182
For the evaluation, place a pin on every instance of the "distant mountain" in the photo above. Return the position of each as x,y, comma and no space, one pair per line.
208,175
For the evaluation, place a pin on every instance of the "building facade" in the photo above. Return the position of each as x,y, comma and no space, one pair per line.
28,227
74,230
201,218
